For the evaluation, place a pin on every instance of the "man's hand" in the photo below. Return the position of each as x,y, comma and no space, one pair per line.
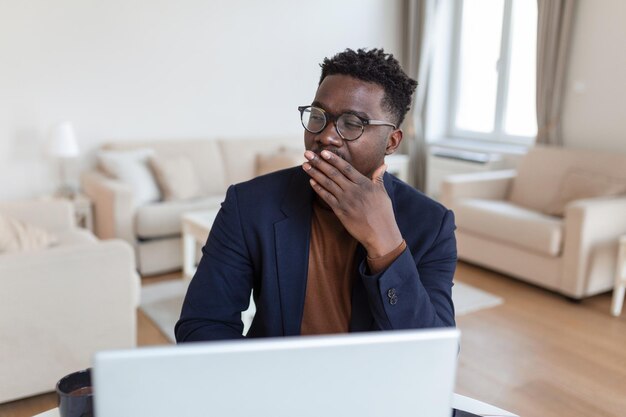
361,204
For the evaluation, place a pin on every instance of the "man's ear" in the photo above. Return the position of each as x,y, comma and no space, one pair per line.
393,141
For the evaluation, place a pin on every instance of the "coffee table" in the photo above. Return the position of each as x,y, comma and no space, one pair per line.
196,226
620,279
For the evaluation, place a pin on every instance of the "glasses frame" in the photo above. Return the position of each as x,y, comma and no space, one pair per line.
328,117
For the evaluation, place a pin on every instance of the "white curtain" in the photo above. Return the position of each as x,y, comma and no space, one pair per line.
554,24
419,23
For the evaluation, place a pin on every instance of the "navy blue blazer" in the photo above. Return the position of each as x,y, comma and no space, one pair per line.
260,240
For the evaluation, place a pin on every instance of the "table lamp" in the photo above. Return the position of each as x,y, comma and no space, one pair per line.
64,147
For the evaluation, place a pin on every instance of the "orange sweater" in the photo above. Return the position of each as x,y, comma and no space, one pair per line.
331,272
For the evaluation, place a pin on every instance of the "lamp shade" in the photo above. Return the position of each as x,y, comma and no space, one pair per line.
63,142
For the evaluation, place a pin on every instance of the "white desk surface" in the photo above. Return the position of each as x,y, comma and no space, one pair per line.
50,413
459,402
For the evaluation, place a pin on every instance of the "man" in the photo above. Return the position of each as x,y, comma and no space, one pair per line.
336,245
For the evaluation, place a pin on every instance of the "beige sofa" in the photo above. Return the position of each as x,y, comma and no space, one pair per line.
62,303
154,228
554,222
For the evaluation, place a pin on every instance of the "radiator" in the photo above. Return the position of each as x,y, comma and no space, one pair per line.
447,161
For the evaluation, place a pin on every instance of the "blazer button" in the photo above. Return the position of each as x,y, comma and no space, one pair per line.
391,292
393,300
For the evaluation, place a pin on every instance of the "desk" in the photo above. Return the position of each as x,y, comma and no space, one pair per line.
459,402
50,413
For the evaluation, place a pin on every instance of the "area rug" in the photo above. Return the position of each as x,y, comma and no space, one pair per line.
162,303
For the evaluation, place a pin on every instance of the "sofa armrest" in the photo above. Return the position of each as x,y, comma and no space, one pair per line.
490,185
113,206
589,223
52,215
60,305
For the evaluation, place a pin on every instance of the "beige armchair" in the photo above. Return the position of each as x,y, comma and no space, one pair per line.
61,304
555,222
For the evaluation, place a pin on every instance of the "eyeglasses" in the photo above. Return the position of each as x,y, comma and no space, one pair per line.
348,125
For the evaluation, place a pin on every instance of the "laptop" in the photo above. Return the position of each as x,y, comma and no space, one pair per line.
396,373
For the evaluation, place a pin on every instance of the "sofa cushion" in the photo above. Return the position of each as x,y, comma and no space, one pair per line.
267,162
131,167
176,177
541,172
204,155
164,218
581,184
510,224
240,155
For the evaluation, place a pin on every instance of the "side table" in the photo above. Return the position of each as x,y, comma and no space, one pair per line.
620,279
83,210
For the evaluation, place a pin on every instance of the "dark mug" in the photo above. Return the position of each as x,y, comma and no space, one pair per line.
75,394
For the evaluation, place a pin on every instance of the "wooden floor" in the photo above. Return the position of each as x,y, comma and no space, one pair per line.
538,354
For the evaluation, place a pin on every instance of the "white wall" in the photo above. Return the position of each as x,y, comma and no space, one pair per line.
165,69
595,97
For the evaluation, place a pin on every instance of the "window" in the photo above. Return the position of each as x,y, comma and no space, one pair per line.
494,66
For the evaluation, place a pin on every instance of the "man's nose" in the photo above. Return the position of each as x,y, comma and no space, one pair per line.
329,135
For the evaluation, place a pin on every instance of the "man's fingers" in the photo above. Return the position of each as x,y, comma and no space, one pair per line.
330,199
342,166
329,183
335,166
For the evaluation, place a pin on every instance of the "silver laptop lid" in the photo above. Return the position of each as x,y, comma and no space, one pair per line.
399,373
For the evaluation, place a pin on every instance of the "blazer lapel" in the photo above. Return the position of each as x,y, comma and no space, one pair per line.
292,237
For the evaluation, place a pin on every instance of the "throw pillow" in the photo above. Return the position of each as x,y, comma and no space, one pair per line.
284,158
581,184
16,236
131,167
176,177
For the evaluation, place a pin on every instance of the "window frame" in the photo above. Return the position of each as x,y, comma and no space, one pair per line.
498,134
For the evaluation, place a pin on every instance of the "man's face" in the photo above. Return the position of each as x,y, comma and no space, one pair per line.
339,94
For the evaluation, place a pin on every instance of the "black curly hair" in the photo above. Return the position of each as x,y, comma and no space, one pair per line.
378,67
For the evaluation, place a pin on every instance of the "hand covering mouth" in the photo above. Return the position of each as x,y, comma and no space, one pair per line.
318,151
